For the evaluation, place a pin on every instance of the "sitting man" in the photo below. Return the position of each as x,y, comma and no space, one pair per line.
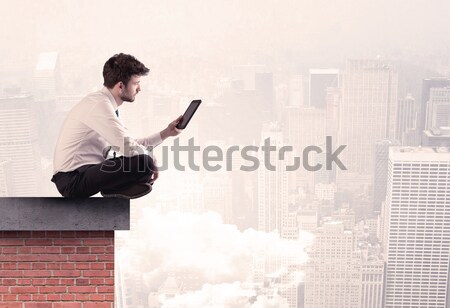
93,127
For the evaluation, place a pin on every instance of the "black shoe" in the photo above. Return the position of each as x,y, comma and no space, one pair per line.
130,192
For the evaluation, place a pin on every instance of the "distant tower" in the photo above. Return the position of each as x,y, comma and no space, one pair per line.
19,142
368,112
380,173
319,81
438,108
406,120
427,85
418,234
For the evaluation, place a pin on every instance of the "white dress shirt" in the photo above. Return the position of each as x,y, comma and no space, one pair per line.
92,127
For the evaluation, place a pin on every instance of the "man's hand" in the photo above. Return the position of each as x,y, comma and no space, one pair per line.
171,130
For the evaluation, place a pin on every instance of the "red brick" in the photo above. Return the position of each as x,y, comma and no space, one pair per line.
100,234
82,266
97,266
82,258
67,305
67,242
97,281
39,242
52,282
98,305
24,282
106,257
109,265
109,234
38,266
11,274
5,258
9,297
97,297
4,289
105,289
97,242
38,234
66,234
82,297
38,305
24,297
10,305
9,266
24,250
26,289
97,274
82,282
68,297
66,273
86,289
9,250
9,282
109,249
109,297
39,297
52,258
53,234
24,258
11,242
38,281
53,289
97,249
109,281
23,266
67,281
54,266
38,273
83,249
68,266
68,250
53,297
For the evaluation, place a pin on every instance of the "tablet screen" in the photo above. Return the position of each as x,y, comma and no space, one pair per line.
189,113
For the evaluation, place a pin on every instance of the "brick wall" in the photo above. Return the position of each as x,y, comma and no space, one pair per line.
56,269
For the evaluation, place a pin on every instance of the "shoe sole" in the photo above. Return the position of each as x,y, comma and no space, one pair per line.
124,196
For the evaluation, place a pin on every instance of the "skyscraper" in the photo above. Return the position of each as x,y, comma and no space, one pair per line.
19,142
319,81
427,85
406,120
333,277
272,186
380,173
368,112
417,232
438,108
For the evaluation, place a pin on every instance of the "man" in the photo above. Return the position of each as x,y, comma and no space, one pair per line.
93,128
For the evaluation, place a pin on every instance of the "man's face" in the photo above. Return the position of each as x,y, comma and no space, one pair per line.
131,89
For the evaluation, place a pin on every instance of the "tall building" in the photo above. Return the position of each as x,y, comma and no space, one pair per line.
368,112
6,187
19,142
417,232
406,120
333,277
436,137
46,76
427,85
372,277
272,185
380,172
319,81
438,108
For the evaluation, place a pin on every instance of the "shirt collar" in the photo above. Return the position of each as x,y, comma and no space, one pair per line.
108,93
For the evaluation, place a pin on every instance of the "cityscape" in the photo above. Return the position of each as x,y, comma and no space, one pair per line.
367,229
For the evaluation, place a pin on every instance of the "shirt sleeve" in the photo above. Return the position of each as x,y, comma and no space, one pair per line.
150,141
102,119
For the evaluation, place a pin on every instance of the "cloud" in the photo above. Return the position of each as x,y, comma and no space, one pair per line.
220,256
230,295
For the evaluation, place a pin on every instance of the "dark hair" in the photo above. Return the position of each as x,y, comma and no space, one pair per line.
121,67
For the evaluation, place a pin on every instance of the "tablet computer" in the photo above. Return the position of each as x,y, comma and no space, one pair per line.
187,116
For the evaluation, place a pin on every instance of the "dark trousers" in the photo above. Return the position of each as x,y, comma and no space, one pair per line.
109,175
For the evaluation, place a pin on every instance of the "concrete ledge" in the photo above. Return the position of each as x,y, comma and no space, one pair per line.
59,214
